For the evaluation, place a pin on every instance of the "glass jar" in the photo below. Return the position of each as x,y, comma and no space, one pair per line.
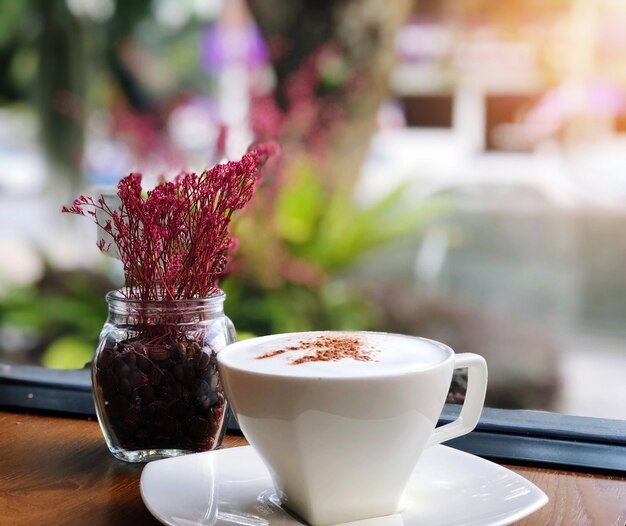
155,380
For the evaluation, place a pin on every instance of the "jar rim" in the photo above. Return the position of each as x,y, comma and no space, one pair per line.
116,297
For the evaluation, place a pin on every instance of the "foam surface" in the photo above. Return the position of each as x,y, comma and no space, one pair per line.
282,355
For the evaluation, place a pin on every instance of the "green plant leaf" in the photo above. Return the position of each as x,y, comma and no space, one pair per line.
299,206
11,14
68,352
347,232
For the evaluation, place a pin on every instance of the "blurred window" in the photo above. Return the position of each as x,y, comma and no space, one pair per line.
428,111
503,114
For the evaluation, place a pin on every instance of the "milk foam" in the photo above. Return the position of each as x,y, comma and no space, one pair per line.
388,353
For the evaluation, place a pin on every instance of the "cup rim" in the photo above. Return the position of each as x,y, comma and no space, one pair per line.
222,356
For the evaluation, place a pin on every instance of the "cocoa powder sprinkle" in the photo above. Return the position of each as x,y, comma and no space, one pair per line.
271,354
327,349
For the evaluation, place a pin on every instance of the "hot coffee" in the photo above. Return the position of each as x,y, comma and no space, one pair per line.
336,354
341,418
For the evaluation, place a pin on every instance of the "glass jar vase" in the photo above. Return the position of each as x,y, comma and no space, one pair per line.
155,380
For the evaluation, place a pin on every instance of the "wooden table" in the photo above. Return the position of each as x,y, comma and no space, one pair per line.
58,471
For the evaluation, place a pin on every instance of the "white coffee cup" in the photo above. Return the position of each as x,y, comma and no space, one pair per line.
341,431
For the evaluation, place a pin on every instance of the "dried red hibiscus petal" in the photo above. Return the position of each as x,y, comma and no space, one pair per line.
174,243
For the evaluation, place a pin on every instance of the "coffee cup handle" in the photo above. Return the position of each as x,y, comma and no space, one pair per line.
474,399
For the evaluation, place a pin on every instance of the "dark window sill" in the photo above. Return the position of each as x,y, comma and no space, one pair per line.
515,437
541,439
37,389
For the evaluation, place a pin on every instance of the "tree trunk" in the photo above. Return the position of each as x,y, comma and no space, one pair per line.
60,89
364,31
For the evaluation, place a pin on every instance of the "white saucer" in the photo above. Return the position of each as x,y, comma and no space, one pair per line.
232,487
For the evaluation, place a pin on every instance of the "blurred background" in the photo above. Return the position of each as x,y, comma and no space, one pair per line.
454,169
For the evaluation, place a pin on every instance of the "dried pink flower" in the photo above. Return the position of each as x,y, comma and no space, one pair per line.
174,243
